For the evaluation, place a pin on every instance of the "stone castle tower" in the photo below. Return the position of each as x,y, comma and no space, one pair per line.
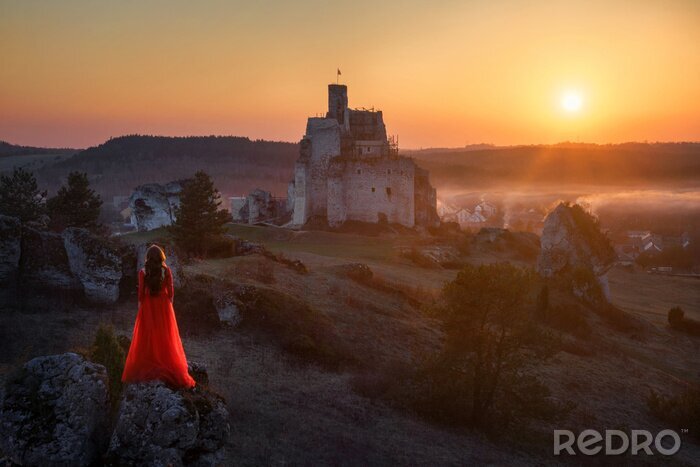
349,170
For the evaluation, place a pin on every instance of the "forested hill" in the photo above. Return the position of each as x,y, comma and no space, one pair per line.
7,149
237,164
637,164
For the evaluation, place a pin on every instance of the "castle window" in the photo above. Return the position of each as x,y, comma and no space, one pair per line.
359,171
388,191
372,189
388,171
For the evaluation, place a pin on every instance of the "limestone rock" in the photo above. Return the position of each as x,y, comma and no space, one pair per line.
153,205
44,264
95,263
570,241
159,426
55,412
359,272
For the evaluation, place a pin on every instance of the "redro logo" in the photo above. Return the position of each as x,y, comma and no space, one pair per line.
615,442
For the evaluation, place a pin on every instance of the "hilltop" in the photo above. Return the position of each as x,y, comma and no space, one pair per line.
237,164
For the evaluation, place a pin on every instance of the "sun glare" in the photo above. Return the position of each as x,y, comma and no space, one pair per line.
571,102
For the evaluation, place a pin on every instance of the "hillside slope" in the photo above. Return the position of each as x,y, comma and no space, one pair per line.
237,164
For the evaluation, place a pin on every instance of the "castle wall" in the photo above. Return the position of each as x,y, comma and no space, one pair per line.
365,189
301,198
425,200
324,135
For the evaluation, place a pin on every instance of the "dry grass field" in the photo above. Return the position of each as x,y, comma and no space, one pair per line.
284,411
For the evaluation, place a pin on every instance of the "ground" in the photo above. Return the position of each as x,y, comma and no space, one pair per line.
285,412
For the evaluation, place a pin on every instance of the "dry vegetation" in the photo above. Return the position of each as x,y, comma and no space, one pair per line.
289,405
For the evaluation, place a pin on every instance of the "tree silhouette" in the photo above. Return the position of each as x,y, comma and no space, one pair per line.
199,220
75,204
20,197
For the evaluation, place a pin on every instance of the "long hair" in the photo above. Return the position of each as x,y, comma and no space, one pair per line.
155,269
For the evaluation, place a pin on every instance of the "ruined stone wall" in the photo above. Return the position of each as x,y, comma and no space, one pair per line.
425,200
324,135
364,189
301,198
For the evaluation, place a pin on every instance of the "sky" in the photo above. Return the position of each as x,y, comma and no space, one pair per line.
446,73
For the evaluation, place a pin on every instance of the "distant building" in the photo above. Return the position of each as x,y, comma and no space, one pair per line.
349,170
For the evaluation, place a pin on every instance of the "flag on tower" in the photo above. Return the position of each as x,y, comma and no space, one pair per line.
339,73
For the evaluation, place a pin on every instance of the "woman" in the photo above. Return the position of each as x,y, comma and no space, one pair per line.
156,351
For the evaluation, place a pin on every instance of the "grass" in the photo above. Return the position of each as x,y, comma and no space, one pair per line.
652,295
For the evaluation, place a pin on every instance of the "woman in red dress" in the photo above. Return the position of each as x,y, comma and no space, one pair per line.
156,351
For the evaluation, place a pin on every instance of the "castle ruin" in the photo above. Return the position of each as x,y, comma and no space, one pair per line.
349,170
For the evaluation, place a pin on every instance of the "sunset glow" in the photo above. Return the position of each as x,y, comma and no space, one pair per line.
75,73
571,102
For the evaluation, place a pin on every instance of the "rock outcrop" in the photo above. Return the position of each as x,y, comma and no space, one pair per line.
44,263
55,412
97,265
159,426
153,205
571,240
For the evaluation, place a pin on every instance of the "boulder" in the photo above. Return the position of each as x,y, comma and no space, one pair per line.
153,205
55,412
44,264
10,248
572,239
95,263
157,425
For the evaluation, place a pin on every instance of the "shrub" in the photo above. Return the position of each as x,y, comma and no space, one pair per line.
296,327
678,321
216,246
682,411
108,351
195,310
569,319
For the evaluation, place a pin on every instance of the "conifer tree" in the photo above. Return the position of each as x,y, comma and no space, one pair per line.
20,197
198,218
75,204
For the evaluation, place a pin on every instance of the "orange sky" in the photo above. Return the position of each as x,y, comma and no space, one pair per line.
74,73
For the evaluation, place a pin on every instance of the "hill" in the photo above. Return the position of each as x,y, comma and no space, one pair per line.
568,163
8,149
237,164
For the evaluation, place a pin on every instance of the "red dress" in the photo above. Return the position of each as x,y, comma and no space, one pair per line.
156,351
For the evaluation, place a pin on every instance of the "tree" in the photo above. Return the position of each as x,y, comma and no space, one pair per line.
75,204
491,339
199,220
20,197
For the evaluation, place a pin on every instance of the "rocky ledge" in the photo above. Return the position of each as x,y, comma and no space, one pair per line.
56,412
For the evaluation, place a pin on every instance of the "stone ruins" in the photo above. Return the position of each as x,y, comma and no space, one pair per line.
348,170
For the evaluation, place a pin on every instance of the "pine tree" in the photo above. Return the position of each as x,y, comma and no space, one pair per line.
198,218
75,204
20,197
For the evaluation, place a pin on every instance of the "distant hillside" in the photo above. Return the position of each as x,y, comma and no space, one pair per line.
237,164
7,149
569,163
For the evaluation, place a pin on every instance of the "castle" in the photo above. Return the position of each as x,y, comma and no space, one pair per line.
349,170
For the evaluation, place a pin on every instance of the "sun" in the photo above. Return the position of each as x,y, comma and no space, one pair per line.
571,102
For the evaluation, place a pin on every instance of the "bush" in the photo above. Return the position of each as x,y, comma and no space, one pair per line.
108,351
219,246
491,341
296,327
195,310
569,319
681,411
678,321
